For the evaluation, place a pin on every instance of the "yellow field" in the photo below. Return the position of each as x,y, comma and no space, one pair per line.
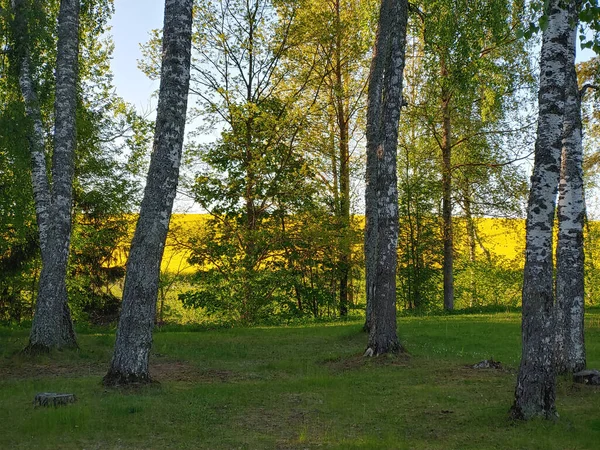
176,254
504,238
501,237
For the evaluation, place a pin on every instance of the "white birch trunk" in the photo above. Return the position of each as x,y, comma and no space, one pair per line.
570,346
535,392
134,334
381,234
52,326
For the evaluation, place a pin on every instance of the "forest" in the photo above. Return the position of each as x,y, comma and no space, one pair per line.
392,243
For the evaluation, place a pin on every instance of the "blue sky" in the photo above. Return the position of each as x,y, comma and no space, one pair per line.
131,24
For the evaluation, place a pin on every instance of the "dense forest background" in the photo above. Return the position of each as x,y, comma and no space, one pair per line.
275,160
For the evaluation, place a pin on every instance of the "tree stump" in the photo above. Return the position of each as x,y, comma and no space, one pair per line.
52,399
591,377
487,364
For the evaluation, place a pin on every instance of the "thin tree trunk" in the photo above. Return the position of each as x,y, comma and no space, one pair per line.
343,204
472,246
535,391
52,326
383,114
448,232
134,334
570,293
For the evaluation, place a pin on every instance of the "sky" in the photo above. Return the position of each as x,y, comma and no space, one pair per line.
131,24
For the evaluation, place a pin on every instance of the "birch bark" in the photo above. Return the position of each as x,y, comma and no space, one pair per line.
535,392
52,326
570,348
134,333
381,197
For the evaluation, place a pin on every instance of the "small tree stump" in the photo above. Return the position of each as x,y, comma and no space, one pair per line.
591,377
487,364
52,399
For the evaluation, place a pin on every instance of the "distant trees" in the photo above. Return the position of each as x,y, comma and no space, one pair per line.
134,333
252,178
468,73
338,35
286,96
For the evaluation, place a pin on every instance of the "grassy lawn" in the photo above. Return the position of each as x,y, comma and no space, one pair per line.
295,387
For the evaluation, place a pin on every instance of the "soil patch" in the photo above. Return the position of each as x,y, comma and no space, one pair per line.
355,362
27,369
172,370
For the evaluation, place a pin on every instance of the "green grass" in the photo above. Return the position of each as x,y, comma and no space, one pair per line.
295,387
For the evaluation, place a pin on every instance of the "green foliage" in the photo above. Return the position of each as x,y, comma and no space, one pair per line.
488,283
292,274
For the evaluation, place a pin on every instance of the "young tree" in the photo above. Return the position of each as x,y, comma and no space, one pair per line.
341,42
52,326
381,196
570,292
535,392
134,333
471,72
252,179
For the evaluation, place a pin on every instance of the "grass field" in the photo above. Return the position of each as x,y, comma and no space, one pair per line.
295,387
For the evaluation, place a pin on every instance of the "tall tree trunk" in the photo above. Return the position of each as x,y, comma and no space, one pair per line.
52,326
448,232
344,158
381,237
535,391
134,334
570,348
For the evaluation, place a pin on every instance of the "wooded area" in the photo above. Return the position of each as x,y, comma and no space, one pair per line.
349,157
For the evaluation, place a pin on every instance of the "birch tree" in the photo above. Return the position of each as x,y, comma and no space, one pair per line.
570,346
52,326
384,100
535,392
134,333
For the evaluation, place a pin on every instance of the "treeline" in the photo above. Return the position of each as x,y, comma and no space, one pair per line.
197,289
280,88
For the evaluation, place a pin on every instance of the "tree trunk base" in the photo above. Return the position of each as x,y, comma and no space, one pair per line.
392,348
117,379
41,349
519,413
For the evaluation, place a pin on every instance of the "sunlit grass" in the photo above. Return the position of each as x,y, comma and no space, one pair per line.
296,387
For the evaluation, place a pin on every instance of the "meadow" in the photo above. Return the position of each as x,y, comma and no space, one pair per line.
295,387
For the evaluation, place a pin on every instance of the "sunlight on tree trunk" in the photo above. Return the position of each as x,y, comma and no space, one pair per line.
570,293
